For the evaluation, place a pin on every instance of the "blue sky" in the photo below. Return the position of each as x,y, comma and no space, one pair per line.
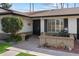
24,7
19,7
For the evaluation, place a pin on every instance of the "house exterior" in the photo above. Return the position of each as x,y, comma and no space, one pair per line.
66,18
26,20
48,23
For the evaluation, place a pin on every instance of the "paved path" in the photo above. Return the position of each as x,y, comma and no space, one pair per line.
9,53
14,51
42,52
33,43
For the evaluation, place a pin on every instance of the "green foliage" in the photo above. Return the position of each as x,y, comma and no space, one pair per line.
63,33
6,5
3,47
24,54
14,38
11,24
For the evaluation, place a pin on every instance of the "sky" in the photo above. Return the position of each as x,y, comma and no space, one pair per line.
25,7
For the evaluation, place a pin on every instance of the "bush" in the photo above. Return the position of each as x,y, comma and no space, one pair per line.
63,33
52,34
11,24
14,38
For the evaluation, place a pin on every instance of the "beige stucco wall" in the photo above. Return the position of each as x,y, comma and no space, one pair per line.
26,22
27,25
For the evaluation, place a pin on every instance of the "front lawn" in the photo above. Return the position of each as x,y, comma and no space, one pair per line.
24,54
3,47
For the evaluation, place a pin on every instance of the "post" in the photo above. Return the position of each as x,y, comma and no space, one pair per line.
42,36
42,24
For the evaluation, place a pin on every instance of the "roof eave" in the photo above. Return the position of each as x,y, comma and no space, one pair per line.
54,15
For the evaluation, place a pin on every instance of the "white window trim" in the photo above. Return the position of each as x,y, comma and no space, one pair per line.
50,20
55,26
51,25
59,24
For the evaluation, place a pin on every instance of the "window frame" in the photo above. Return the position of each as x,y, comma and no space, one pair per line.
55,20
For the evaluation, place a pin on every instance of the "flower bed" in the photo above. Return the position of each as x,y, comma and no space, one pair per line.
58,42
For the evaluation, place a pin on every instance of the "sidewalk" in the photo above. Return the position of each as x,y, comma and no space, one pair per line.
14,51
9,53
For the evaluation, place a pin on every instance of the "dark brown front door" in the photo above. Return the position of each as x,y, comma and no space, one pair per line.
36,27
78,28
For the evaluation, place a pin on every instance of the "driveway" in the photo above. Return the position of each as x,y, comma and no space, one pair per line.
32,44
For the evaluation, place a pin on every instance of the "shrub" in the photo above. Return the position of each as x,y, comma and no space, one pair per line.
14,38
12,25
63,33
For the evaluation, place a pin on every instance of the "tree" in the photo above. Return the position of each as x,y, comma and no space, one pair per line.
11,24
5,5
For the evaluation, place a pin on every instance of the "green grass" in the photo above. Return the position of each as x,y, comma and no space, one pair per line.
24,54
3,47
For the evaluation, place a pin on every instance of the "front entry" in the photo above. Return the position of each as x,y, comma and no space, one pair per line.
78,28
36,27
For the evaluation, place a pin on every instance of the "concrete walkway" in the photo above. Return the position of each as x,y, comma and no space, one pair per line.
9,53
14,51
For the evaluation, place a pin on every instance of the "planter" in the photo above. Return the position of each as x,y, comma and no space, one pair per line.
55,41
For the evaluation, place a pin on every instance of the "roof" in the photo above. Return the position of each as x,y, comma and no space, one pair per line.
8,11
44,13
55,12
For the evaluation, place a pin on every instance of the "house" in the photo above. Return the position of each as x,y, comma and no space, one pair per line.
48,24
26,20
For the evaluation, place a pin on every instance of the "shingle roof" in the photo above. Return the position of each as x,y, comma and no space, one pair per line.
55,12
2,11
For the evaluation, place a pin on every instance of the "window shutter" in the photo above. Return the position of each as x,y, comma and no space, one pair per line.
65,23
45,25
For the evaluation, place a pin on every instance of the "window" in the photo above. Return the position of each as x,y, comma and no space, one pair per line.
55,25
48,25
52,25
62,24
